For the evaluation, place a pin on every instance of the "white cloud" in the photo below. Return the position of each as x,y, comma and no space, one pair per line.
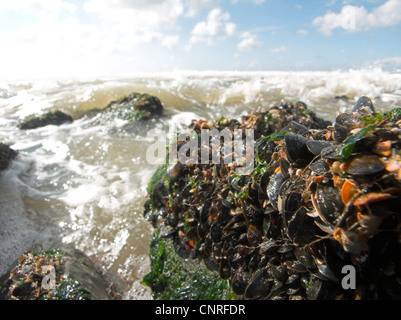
302,32
392,64
140,15
44,9
250,41
280,49
139,21
354,18
194,6
169,41
54,49
216,25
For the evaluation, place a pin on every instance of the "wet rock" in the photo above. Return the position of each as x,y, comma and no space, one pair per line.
59,274
56,118
6,155
135,106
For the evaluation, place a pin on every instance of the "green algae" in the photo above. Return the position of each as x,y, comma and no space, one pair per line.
346,148
175,278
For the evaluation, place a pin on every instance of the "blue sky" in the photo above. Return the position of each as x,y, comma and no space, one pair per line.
50,38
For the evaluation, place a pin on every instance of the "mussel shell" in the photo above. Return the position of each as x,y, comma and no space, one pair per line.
300,228
254,235
341,132
320,290
279,272
239,281
269,247
329,202
159,194
216,232
364,165
204,212
259,285
364,106
330,153
224,269
254,262
296,150
253,213
273,188
304,256
319,167
233,183
290,197
316,146
177,171
265,149
223,217
344,123
299,128
201,231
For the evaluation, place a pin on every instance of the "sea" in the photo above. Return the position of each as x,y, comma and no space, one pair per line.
85,183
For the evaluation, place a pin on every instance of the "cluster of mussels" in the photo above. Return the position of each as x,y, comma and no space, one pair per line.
322,200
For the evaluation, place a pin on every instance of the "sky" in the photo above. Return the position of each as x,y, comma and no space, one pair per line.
73,38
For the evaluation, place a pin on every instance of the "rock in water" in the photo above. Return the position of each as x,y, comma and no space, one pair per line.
58,274
136,106
51,118
6,155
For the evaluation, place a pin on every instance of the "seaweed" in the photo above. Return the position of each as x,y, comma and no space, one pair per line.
172,278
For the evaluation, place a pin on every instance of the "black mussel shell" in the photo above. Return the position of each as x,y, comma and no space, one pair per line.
330,153
319,167
364,165
223,216
177,171
254,262
253,213
24,290
364,106
304,256
301,228
329,202
224,269
296,150
204,212
341,132
254,235
216,232
299,128
159,194
239,281
316,146
344,123
259,285
273,188
269,247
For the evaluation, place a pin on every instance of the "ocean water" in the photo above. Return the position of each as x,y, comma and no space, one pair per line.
85,183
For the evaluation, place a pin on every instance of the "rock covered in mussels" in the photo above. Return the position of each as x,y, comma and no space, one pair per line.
58,274
56,118
318,198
